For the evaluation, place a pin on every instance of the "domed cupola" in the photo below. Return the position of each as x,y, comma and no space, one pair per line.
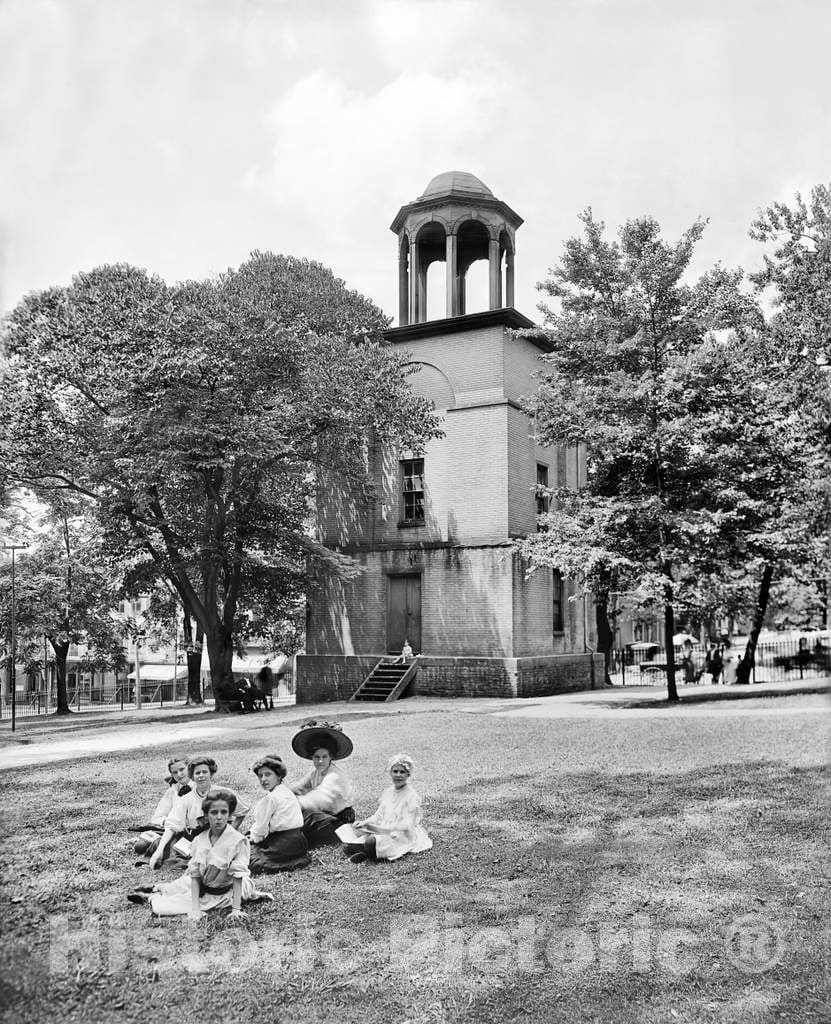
458,220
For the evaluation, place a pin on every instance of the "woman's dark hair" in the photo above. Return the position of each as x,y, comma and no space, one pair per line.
215,795
323,744
274,762
194,762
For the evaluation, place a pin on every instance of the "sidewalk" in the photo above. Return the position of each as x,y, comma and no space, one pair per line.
644,696
90,734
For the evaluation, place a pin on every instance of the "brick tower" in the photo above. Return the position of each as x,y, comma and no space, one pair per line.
435,544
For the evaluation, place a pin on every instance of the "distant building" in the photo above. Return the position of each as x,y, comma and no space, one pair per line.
435,544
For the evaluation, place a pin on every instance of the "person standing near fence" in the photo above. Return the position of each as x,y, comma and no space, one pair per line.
716,665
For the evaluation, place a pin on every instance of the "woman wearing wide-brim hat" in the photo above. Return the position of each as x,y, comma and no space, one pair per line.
326,793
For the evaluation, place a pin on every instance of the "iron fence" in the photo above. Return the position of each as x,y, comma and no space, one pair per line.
775,661
31,702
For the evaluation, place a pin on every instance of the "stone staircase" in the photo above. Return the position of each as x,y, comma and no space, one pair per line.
387,681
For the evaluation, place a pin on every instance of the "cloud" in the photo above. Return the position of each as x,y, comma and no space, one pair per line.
433,32
336,151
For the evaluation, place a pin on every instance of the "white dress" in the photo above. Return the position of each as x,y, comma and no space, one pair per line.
231,852
399,810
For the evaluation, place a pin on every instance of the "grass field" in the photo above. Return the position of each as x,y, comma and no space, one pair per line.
632,867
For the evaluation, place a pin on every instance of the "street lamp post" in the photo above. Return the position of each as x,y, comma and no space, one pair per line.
138,640
13,548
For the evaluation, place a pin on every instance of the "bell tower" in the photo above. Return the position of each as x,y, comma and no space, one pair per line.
456,220
435,545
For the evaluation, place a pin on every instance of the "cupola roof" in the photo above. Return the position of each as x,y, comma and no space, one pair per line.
448,182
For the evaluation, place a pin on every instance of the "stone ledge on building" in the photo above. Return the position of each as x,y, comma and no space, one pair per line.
332,677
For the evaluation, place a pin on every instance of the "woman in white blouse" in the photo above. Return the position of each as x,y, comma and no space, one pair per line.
278,842
177,785
326,793
186,820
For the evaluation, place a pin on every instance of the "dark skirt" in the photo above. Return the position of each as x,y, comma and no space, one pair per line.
280,851
320,826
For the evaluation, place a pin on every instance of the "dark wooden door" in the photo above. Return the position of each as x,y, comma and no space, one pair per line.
404,612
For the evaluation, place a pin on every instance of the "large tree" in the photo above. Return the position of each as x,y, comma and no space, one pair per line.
624,328
64,594
196,420
796,276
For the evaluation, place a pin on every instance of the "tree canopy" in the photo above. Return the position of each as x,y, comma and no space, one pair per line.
64,594
194,420
706,467
630,377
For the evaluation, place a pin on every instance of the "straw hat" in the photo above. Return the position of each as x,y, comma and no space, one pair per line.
319,733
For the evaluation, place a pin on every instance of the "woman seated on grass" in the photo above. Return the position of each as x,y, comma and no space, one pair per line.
185,820
326,792
217,874
177,785
278,842
395,828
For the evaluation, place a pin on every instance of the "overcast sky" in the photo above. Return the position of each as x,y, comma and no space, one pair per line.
179,136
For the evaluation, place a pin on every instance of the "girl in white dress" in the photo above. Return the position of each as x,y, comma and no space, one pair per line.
395,829
217,875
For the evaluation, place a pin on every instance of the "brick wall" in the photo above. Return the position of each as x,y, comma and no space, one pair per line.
330,678
326,678
466,599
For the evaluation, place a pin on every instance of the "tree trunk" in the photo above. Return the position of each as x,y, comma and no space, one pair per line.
221,654
669,633
605,635
194,658
746,664
61,649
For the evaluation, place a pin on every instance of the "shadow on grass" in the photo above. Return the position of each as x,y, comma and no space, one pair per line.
533,860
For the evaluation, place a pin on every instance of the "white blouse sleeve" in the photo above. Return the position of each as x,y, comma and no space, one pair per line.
164,807
196,864
285,810
301,785
334,788
238,866
177,819
262,816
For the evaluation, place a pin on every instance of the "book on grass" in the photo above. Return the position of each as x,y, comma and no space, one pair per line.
183,847
348,834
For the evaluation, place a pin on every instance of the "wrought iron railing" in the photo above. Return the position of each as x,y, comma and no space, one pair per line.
117,696
775,661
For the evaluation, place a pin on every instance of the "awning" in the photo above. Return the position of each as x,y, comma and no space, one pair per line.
161,673
253,663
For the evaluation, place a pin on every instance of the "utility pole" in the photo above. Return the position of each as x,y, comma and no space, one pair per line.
138,673
13,548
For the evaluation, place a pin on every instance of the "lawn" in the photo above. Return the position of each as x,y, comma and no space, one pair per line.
630,867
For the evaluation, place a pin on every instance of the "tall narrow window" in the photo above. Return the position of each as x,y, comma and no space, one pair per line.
562,479
412,475
542,481
558,625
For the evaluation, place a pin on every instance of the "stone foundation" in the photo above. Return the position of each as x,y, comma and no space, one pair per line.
324,677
